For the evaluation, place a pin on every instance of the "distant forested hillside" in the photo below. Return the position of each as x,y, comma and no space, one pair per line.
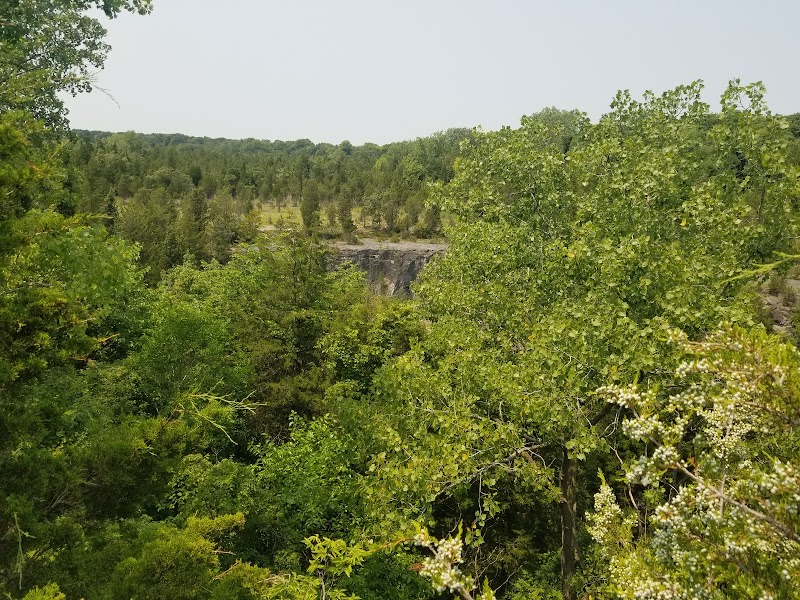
177,195
203,195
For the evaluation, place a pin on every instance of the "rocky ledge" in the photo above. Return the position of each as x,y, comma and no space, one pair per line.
390,266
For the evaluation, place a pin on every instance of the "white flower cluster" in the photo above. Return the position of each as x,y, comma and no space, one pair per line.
644,428
694,366
607,523
779,489
647,470
726,425
441,568
628,396
676,336
698,538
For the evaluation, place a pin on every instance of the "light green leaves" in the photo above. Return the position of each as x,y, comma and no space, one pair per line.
569,264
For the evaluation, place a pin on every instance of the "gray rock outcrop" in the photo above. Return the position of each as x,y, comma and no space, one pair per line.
391,267
782,306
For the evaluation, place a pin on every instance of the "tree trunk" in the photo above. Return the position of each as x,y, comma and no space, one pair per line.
569,542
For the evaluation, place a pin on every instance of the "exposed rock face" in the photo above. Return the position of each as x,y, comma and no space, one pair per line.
782,306
390,266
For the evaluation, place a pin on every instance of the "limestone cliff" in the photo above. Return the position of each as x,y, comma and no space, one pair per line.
390,266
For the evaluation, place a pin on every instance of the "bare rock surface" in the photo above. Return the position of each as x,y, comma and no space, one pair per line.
391,267
782,306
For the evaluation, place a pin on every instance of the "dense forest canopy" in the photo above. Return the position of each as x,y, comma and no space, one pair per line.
204,195
586,398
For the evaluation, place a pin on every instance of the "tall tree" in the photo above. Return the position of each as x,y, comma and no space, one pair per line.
309,206
149,220
191,223
567,265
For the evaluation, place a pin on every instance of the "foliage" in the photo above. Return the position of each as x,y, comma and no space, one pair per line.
335,558
567,266
312,481
29,178
235,421
726,428
54,298
49,592
148,221
50,46
174,563
387,183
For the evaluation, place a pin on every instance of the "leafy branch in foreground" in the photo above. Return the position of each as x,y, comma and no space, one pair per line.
51,46
765,268
722,442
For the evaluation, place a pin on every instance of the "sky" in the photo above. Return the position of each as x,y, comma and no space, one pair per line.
377,71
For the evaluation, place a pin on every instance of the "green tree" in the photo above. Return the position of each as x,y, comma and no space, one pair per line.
30,177
51,46
222,227
149,220
310,206
565,270
195,174
344,214
191,223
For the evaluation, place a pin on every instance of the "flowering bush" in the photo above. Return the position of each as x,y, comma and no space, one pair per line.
721,444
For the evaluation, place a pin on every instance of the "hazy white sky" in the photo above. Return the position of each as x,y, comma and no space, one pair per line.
376,71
